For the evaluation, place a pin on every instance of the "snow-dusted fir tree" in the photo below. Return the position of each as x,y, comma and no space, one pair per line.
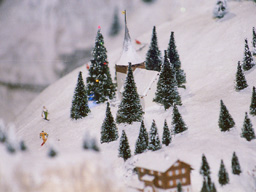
79,108
223,174
253,41
225,120
240,78
204,187
220,9
205,168
154,141
179,187
177,121
236,169
166,139
174,58
248,62
108,129
253,102
116,26
167,92
124,148
247,130
153,57
99,81
213,188
130,109
142,141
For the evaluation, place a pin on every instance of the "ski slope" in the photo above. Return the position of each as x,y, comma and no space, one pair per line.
209,50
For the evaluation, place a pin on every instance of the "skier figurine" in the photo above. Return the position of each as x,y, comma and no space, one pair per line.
45,113
44,136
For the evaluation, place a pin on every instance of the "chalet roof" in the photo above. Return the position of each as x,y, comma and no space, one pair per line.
144,80
129,53
148,178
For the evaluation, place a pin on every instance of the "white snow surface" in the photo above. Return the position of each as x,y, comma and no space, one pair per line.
209,50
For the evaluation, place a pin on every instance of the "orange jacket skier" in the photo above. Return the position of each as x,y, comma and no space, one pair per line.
44,136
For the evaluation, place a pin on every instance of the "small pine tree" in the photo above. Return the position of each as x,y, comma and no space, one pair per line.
130,109
205,168
177,121
108,129
179,187
79,107
223,174
253,102
154,141
253,40
248,62
204,187
247,130
23,147
225,120
166,135
52,153
153,58
236,169
167,92
142,141
220,9
240,78
116,26
174,58
124,148
213,188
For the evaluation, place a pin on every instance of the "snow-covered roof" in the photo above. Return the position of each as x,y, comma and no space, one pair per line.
148,178
129,53
144,80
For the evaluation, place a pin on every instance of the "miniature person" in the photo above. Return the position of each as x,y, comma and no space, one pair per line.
44,136
45,113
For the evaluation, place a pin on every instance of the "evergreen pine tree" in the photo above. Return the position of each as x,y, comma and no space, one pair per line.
130,109
79,107
23,147
253,41
99,81
124,148
52,153
177,121
223,175
240,78
154,141
108,129
253,102
166,135
204,187
179,187
167,92
225,120
116,26
220,9
153,58
142,141
247,130
236,169
205,168
248,62
213,188
175,60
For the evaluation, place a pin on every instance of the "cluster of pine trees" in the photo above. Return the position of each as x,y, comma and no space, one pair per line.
208,185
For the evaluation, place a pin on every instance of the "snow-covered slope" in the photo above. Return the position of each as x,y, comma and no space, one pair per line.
209,50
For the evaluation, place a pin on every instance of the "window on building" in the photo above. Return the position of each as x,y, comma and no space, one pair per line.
170,173
183,170
160,182
184,180
177,172
171,182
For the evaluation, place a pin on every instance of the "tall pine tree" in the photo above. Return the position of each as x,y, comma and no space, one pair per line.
108,129
253,41
248,62
177,121
175,60
253,102
79,108
240,78
124,148
130,109
167,92
236,169
154,141
99,81
166,135
205,168
142,141
153,58
225,120
247,130
116,26
223,174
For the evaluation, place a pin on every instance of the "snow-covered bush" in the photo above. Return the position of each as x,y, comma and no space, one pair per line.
220,9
